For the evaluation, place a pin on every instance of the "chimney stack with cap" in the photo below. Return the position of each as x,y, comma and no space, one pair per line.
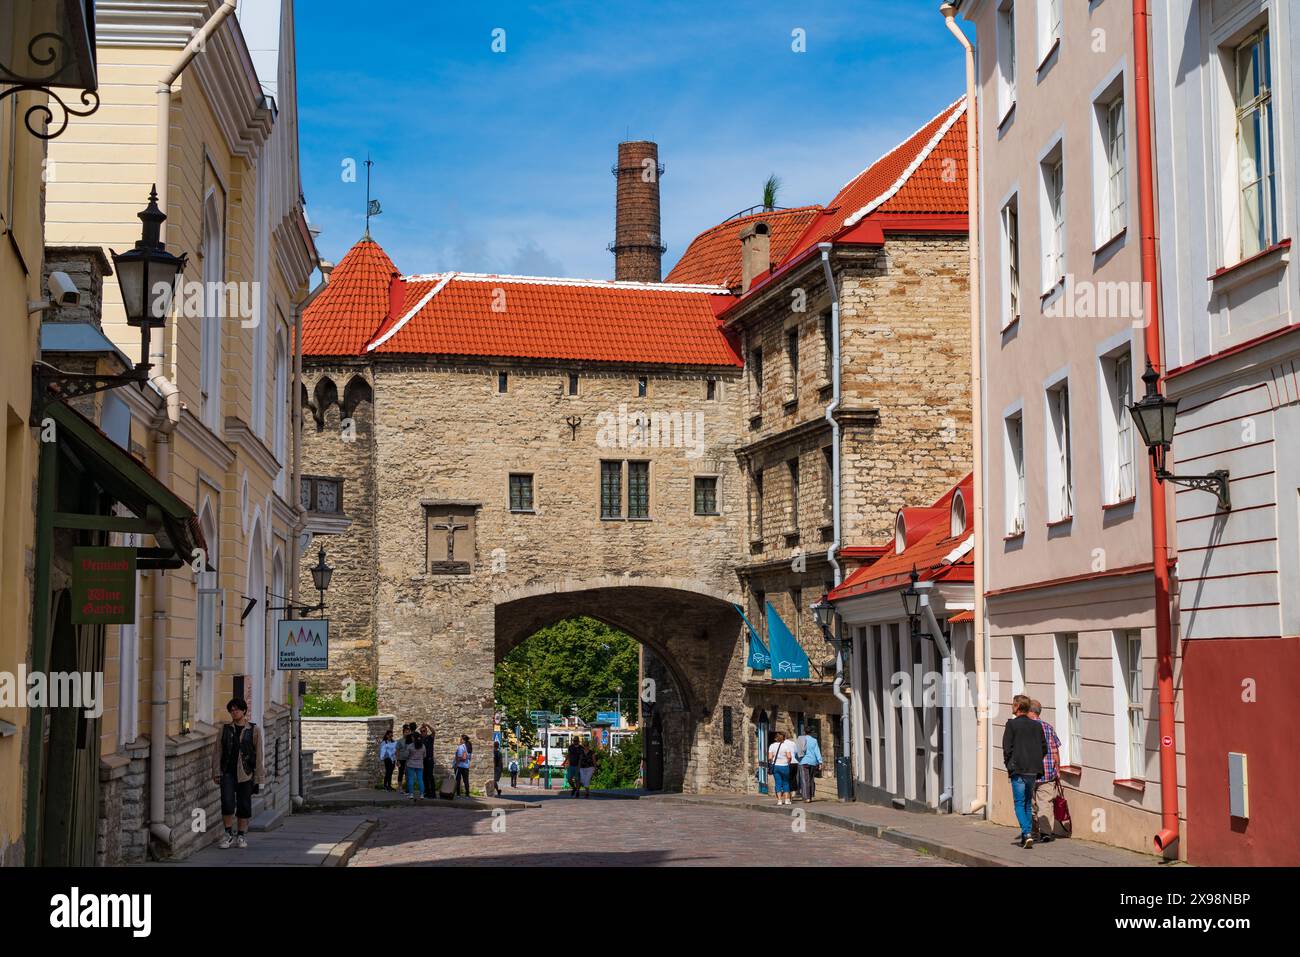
638,250
755,253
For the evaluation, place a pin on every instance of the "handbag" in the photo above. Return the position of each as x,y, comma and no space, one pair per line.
1061,809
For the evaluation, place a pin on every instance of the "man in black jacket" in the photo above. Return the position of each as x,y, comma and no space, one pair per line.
1023,750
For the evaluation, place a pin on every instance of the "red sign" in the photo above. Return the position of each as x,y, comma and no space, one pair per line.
103,586
1167,741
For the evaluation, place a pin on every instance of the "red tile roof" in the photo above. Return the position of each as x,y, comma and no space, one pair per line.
470,314
714,255
937,554
341,320
925,175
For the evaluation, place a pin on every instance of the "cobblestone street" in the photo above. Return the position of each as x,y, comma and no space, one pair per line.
609,832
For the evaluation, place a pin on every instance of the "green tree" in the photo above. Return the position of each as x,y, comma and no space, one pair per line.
619,769
578,660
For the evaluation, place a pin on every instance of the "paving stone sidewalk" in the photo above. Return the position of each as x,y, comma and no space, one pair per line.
303,840
958,838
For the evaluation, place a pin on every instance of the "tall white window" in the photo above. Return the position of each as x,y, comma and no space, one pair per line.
1126,679
1006,58
1253,88
1052,172
1060,478
1069,709
280,408
1117,426
1109,164
1014,473
1018,682
1011,261
214,272
1049,26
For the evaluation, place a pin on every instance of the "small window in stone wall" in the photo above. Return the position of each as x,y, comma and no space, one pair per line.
642,386
503,382
521,492
638,489
706,495
573,383
319,494
711,389
727,733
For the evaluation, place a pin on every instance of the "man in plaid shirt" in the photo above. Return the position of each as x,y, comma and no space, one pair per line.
1051,765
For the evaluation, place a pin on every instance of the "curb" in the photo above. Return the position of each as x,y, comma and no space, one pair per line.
343,851
476,806
905,839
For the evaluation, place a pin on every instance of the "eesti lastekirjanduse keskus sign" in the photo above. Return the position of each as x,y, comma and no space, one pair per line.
303,645
103,586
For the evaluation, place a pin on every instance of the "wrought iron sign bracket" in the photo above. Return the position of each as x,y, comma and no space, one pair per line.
1216,482
89,99
51,384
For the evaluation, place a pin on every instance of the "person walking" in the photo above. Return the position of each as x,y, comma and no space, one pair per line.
573,767
810,761
780,755
1023,750
1051,773
426,739
535,769
403,748
388,757
461,759
587,767
498,766
514,772
237,770
414,765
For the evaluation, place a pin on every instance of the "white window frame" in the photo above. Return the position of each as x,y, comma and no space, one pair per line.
1109,159
214,274
1012,302
1268,232
1013,473
1052,216
1006,68
1019,683
1058,450
1129,712
1118,448
1051,27
1069,705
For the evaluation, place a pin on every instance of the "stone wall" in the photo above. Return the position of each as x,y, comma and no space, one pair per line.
348,747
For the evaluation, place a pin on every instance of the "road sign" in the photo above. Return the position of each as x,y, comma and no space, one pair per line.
303,644
539,718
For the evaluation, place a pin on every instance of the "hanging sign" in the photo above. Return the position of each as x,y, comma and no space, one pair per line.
302,645
103,586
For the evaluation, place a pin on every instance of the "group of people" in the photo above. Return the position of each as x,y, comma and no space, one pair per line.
580,766
786,758
411,755
1031,752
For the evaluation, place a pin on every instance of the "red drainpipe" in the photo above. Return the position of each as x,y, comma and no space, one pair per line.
1159,518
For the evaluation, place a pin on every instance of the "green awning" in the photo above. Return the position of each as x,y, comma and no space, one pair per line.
127,481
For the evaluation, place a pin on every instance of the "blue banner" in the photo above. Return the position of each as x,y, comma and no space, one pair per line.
759,658
788,659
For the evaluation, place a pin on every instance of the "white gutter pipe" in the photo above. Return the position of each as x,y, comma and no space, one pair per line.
832,551
932,625
162,430
982,764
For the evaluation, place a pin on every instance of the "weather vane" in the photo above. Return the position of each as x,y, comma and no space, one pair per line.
372,205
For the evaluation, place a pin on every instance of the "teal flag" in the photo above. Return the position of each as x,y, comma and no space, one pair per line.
788,659
759,658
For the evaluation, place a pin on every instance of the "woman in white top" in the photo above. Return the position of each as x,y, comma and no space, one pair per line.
781,758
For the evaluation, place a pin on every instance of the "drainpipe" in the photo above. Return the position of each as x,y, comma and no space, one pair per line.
1169,829
941,641
832,551
162,429
197,44
977,413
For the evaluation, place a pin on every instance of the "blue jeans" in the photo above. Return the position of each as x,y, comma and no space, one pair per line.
1022,790
782,775
412,778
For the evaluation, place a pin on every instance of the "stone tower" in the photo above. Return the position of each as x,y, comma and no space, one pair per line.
638,250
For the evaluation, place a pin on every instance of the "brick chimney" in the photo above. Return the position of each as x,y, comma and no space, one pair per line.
638,250
755,253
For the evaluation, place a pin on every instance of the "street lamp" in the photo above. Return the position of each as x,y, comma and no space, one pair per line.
1154,415
912,603
321,574
146,275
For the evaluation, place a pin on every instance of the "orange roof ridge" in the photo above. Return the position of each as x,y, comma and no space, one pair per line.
957,108
569,281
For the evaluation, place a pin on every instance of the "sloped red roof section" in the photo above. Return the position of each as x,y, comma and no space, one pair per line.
929,555
713,256
925,175
341,320
466,314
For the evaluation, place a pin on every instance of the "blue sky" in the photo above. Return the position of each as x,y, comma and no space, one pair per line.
500,162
